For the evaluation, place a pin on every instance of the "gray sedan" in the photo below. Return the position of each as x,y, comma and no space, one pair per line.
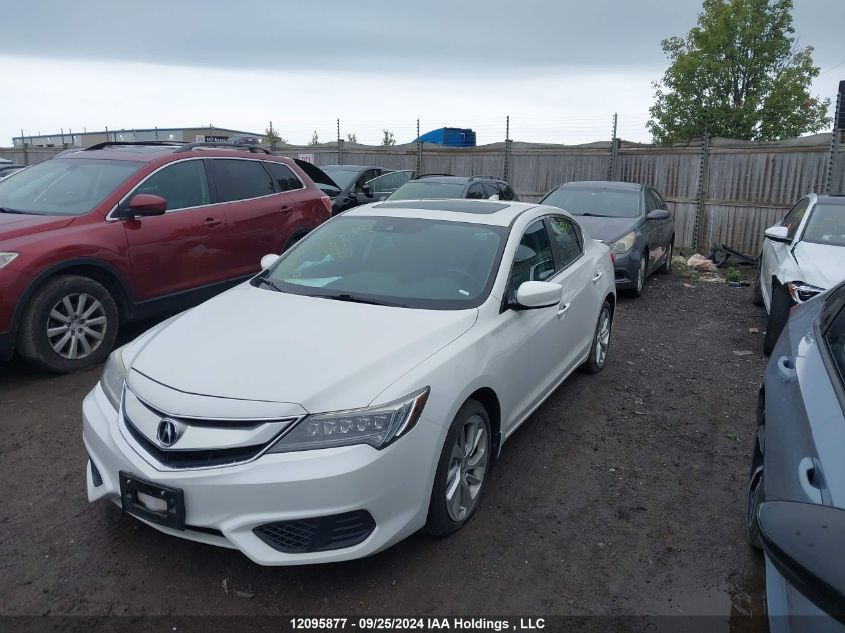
800,435
632,219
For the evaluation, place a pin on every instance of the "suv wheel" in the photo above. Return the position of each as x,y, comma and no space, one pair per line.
69,324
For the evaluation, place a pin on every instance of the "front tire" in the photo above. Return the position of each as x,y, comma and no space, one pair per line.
461,470
756,492
778,316
601,341
666,268
639,282
70,324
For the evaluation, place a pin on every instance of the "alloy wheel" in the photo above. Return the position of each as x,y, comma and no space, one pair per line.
467,468
76,326
603,337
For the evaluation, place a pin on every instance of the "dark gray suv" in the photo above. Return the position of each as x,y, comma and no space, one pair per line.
632,219
440,186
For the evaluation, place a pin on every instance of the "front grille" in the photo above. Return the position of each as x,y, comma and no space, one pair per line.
317,534
194,458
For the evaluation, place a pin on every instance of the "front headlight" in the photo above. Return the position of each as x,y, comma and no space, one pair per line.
376,426
801,292
6,258
114,375
624,244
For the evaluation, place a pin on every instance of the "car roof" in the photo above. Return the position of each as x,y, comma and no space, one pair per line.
149,152
350,167
491,212
832,198
603,184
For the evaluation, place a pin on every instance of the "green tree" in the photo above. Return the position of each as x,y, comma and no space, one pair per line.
271,136
352,138
315,139
387,140
739,74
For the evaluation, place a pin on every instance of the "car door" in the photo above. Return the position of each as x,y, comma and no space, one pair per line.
774,253
187,246
578,273
654,230
256,213
388,182
531,334
358,187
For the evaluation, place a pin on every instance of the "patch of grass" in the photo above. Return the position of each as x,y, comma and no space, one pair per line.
732,274
680,269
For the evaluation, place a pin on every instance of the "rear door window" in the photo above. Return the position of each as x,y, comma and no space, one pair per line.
476,191
792,220
491,189
506,192
183,185
283,177
237,179
567,236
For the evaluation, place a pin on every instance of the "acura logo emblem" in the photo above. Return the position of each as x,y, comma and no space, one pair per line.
167,433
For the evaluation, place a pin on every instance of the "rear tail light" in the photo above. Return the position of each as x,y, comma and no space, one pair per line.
327,202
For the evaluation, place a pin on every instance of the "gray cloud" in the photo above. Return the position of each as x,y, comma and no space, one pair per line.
427,37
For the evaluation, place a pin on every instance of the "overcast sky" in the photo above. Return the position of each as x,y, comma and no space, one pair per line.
560,69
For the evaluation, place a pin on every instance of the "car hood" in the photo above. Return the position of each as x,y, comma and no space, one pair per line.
821,265
256,344
17,225
607,229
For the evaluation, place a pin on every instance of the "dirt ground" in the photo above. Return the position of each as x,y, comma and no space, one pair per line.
623,494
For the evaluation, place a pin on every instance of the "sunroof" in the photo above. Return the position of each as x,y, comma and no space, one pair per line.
458,206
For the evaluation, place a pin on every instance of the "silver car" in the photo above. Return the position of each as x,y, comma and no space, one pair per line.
798,455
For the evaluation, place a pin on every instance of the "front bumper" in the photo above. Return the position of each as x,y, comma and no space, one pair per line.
227,503
625,269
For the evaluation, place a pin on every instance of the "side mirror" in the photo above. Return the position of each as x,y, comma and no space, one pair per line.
145,204
778,234
801,541
659,214
367,190
268,260
538,294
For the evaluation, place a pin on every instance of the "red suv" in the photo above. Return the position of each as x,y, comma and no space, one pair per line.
116,232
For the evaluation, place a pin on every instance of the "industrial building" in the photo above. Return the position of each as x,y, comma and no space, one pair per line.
69,138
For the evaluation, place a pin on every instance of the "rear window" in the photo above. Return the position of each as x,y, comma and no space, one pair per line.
595,202
426,190
240,179
64,186
283,176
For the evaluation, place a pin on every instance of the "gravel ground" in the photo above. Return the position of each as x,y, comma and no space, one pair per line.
623,494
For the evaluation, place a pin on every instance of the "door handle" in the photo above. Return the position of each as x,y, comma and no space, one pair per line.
808,467
562,312
212,222
285,208
596,277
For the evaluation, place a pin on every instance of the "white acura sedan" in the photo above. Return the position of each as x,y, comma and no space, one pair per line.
356,390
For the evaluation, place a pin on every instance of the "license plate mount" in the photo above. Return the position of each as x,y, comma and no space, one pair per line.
171,501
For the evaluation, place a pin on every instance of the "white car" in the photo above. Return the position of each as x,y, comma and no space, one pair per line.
802,257
356,390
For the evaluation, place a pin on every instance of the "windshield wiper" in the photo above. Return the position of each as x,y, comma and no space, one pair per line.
597,215
356,299
267,282
8,210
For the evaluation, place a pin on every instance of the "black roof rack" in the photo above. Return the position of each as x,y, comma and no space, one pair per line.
117,143
484,177
252,148
427,175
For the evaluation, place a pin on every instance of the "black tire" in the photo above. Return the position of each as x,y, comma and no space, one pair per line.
757,289
756,492
593,365
666,268
440,522
778,316
639,282
33,342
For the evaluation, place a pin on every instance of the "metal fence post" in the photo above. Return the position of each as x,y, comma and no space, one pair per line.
698,224
418,169
506,169
611,168
835,137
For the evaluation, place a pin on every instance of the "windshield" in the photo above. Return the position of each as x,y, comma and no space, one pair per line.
596,202
342,176
63,186
826,225
409,262
427,190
